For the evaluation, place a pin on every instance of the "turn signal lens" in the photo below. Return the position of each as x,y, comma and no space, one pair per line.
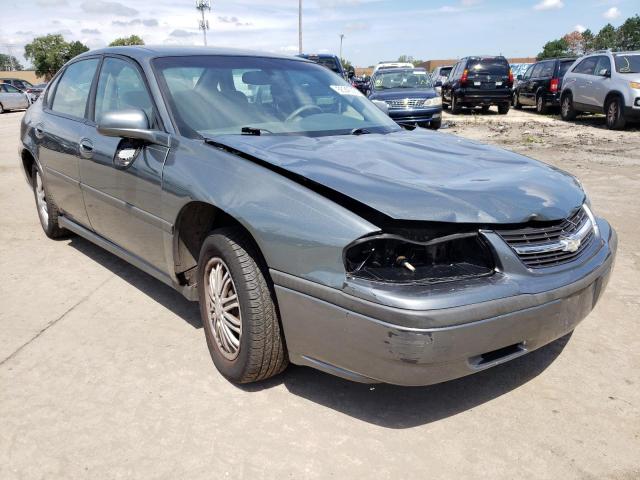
635,85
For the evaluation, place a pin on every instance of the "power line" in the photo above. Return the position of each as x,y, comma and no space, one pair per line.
300,27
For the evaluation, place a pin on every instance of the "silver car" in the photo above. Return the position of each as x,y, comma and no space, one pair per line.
603,82
12,99
311,227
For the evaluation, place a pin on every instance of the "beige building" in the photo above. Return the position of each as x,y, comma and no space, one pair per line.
28,75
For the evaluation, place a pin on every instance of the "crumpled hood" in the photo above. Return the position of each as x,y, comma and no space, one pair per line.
423,175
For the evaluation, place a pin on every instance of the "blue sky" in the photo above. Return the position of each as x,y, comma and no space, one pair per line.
374,29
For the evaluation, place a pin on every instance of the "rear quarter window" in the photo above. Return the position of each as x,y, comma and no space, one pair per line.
564,66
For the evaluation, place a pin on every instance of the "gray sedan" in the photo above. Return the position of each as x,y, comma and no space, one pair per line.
12,99
312,228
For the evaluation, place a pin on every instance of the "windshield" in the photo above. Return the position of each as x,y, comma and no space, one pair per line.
627,63
414,79
215,95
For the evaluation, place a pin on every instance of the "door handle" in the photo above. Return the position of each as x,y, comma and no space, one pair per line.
86,148
38,131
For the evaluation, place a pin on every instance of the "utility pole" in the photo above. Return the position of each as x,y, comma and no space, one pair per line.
203,24
341,39
300,27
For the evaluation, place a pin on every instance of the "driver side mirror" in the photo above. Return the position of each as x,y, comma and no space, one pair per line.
132,124
604,72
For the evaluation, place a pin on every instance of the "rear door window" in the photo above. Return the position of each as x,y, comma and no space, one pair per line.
73,88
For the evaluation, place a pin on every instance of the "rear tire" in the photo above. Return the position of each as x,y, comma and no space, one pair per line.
541,107
503,108
1,109
238,310
47,209
455,106
484,108
615,116
567,112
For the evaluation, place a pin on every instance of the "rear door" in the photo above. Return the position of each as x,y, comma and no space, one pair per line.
582,79
528,96
488,75
121,179
59,134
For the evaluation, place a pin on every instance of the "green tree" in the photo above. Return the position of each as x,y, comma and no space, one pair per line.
629,34
126,41
49,53
346,64
588,41
75,49
9,62
554,48
607,37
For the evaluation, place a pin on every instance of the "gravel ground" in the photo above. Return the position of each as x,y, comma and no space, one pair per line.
104,372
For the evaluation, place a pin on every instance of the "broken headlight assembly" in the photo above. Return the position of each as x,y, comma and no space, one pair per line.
396,258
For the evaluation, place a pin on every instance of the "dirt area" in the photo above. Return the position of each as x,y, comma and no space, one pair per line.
104,372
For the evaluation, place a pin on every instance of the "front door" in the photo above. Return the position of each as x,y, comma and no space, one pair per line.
122,179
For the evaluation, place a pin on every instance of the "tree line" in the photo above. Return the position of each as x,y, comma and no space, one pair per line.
624,38
50,52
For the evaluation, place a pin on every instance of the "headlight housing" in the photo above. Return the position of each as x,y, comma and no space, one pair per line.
433,102
395,259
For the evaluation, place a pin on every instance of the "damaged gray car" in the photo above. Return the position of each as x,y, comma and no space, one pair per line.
311,228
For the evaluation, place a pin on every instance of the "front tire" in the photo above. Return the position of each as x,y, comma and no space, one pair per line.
615,117
567,112
1,109
237,307
516,101
47,209
434,124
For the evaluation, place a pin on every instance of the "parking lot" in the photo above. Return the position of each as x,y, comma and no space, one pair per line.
104,371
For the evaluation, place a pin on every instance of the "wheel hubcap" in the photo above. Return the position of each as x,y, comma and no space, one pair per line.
613,112
223,308
41,200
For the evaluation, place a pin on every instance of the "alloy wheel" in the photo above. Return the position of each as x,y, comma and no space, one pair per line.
223,308
41,200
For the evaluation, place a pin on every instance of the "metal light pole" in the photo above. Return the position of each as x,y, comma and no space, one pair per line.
300,27
341,39
203,24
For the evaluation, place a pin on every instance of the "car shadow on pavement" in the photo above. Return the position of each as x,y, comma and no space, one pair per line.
158,291
398,407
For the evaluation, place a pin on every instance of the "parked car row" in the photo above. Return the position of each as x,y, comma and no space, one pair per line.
17,94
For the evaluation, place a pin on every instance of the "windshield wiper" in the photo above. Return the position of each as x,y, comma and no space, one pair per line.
253,131
359,131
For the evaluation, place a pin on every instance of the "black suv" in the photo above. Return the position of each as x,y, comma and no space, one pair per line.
479,82
541,84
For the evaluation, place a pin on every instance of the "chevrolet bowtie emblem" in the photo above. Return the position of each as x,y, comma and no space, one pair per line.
570,244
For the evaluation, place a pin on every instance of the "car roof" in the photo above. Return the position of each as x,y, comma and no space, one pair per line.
147,52
400,69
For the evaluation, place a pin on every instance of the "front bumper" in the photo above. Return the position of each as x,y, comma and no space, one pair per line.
416,115
368,342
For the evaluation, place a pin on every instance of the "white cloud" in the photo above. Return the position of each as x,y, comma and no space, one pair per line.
548,5
579,28
612,13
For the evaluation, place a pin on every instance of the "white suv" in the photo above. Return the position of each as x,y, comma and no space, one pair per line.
603,82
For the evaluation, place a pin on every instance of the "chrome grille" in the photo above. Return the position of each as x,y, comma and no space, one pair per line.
404,103
552,245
